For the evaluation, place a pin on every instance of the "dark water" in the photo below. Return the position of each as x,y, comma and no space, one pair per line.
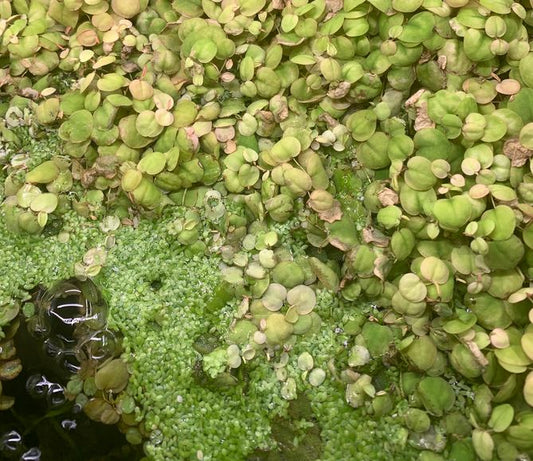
68,328
43,426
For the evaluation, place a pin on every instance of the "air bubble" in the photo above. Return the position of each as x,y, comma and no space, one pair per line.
156,437
77,408
33,454
72,308
53,346
69,361
10,442
70,321
69,424
37,328
38,386
100,346
56,395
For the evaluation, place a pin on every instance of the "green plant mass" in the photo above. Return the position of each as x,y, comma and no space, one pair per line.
252,230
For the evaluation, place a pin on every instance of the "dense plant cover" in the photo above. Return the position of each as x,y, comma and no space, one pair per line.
318,213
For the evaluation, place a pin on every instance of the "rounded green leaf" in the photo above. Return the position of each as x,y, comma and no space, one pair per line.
453,213
355,27
389,216
277,328
204,50
44,202
111,82
330,69
274,297
43,173
140,90
520,436
490,311
526,136
305,361
131,179
373,153
483,444
417,202
505,254
527,235
303,59
501,192
26,194
412,288
317,377
440,168
288,22
526,70
251,7
185,112
297,181
378,338
112,377
402,243
267,82
419,175
495,129
288,274
302,298
285,149
513,358
406,6
80,126
504,283
248,175
146,124
463,322
417,420
497,6
406,307
528,389
463,260
434,270
152,163
47,111
526,341
422,353
501,417
502,219
418,28
477,45
470,166
359,356
126,9
362,124
436,395
129,134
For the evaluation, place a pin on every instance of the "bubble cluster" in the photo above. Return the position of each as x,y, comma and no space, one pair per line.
39,387
70,321
65,339
12,447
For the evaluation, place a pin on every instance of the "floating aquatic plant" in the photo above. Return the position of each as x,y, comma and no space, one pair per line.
367,151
